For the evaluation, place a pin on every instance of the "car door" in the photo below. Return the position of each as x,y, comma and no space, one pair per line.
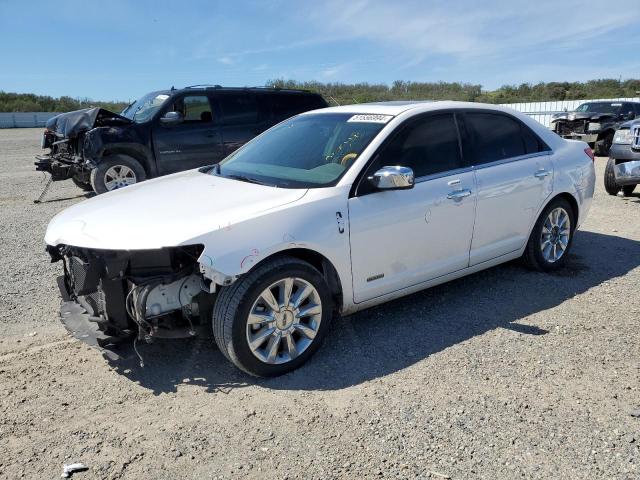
401,238
240,121
192,143
514,176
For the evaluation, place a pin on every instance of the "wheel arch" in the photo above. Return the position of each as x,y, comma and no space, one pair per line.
317,260
135,151
565,196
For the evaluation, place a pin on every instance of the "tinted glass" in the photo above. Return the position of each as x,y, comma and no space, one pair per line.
238,109
494,137
287,105
427,146
307,151
196,108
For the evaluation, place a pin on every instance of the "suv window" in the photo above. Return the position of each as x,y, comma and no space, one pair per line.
238,108
428,145
196,108
287,105
497,137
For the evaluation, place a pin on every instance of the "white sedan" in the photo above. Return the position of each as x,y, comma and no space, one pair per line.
327,213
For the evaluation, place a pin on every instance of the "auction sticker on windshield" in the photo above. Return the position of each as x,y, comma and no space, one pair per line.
369,118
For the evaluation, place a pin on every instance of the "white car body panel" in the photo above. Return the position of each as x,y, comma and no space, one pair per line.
400,238
241,224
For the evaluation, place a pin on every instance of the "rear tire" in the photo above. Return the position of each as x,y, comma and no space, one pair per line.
627,190
256,338
610,184
116,171
547,240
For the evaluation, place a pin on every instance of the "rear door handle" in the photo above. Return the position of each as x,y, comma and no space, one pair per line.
459,194
542,173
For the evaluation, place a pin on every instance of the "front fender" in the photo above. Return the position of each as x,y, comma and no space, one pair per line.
102,141
317,222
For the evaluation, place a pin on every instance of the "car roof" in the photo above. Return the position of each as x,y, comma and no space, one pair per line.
397,107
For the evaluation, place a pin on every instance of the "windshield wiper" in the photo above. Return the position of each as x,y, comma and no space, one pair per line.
242,178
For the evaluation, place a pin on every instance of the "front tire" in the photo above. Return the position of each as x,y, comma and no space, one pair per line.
273,319
603,145
610,184
551,238
85,186
116,171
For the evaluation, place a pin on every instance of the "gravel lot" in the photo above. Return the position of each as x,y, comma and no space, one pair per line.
504,374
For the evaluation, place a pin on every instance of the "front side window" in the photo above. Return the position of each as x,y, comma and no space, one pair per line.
428,146
306,151
196,108
494,137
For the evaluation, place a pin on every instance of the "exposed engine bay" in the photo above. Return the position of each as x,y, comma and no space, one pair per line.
140,294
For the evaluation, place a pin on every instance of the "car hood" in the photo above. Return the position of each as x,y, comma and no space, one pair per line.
70,124
571,116
164,212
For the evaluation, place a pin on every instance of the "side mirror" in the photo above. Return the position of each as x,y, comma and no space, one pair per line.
629,116
172,118
393,178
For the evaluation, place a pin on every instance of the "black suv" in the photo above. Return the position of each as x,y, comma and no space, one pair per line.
595,122
163,132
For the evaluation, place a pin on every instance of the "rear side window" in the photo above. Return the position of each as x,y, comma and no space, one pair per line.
497,137
428,146
285,105
238,108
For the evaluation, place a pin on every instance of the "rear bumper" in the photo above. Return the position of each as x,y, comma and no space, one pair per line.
627,173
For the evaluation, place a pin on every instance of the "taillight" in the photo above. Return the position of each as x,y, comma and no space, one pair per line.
590,154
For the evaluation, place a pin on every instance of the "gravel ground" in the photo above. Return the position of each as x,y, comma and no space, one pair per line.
504,374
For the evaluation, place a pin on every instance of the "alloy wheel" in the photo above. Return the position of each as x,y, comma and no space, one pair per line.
284,320
119,176
556,232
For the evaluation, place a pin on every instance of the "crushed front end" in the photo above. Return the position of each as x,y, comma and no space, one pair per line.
112,296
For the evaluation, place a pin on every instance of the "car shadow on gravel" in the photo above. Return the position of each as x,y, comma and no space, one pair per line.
388,338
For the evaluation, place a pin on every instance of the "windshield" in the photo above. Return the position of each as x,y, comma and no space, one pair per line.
144,108
306,151
600,107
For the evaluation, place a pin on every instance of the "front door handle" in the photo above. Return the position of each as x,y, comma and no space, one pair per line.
459,194
542,173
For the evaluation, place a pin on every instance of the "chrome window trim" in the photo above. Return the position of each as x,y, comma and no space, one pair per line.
504,161
446,173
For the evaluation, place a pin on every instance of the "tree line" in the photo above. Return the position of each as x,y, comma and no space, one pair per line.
346,93
28,102
343,93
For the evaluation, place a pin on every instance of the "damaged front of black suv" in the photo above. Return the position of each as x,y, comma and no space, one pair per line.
594,123
112,296
76,140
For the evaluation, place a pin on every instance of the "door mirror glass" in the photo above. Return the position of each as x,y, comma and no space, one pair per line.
393,178
629,116
172,118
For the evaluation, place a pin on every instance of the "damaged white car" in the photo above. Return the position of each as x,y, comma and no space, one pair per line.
327,213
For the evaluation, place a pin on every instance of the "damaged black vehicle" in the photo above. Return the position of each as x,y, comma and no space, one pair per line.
163,132
595,123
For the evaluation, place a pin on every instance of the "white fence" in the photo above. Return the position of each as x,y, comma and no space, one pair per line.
25,119
542,111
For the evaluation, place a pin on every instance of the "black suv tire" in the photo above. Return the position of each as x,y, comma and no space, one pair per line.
234,304
116,163
603,145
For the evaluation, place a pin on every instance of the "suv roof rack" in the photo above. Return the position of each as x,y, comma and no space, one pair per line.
204,85
260,87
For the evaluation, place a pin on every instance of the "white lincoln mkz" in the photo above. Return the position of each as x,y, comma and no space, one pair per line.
327,213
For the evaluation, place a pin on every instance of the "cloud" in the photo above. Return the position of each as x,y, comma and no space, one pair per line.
467,29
